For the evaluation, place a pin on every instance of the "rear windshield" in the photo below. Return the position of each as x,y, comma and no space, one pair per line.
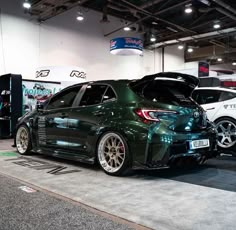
165,91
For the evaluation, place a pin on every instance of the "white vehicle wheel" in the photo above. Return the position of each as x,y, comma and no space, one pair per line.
23,142
113,154
226,129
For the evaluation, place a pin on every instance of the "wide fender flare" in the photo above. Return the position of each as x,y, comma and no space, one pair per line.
131,131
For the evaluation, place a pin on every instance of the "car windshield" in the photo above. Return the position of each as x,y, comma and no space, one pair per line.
165,91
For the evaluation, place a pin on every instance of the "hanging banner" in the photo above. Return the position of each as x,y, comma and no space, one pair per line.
203,69
126,46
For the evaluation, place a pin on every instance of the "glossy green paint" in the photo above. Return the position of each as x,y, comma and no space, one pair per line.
76,136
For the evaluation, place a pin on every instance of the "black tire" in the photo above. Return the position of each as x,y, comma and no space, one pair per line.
23,140
226,128
113,154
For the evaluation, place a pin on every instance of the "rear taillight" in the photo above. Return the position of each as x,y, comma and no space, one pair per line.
153,114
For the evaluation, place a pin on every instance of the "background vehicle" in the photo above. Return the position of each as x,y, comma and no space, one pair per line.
147,123
220,105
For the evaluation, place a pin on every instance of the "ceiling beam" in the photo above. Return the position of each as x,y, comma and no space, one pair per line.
148,15
225,13
224,5
51,11
150,3
197,37
154,15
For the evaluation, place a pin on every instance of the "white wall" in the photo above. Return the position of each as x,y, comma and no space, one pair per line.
173,58
62,41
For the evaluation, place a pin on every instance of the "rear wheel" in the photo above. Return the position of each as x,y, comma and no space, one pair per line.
23,141
226,128
113,154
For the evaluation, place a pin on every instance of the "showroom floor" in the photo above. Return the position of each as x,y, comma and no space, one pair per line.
201,198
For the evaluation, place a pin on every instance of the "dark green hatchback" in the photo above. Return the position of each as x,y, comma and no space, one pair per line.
147,123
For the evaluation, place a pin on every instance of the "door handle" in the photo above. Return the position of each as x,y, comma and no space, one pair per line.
211,108
98,113
64,115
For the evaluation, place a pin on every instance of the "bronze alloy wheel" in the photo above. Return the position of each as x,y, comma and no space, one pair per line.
112,153
23,142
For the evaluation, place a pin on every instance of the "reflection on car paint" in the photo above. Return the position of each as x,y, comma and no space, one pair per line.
65,143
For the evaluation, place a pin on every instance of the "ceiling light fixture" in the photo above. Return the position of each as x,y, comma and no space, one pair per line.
219,59
190,50
216,25
234,63
188,9
80,16
26,4
153,38
180,47
127,28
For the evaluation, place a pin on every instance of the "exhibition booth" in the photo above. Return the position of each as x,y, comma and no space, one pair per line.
19,96
117,114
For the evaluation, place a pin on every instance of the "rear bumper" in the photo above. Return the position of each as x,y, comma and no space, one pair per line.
163,149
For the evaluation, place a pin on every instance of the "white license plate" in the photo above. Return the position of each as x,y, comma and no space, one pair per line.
197,144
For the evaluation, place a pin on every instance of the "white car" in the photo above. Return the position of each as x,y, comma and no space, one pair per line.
220,106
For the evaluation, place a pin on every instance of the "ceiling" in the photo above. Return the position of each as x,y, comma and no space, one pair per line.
164,19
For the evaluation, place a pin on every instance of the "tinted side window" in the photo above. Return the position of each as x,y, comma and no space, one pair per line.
227,96
109,95
206,96
93,95
64,99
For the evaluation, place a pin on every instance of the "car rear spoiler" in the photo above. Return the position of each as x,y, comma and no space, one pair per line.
192,81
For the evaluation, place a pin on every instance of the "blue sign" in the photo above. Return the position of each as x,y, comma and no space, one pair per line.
126,46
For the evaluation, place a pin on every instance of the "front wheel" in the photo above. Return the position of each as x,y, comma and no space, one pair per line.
226,128
23,141
113,154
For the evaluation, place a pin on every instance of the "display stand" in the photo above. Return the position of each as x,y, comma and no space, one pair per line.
10,103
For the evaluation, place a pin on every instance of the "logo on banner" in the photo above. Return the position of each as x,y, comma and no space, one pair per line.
112,43
78,74
42,73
